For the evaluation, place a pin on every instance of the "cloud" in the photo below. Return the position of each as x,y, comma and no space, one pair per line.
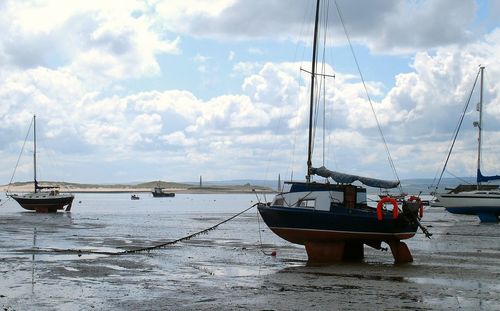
390,27
96,41
90,120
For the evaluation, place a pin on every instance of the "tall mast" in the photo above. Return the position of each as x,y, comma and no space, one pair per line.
311,103
480,125
34,153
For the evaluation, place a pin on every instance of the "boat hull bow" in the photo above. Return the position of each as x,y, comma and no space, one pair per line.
47,203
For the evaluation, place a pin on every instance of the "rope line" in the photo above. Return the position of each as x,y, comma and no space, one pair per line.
188,236
260,238
5,202
143,249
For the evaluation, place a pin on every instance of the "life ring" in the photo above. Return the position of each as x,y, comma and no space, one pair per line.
384,200
420,205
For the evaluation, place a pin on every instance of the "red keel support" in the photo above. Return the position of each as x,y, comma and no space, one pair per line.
400,252
334,251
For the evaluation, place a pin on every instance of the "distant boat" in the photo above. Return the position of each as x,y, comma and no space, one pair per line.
158,192
481,200
134,197
43,201
334,221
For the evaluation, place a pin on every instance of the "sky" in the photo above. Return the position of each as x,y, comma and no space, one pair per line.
129,91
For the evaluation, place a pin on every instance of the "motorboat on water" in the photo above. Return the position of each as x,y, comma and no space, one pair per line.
158,193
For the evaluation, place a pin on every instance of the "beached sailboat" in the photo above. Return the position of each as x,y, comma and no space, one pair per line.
334,221
43,201
482,200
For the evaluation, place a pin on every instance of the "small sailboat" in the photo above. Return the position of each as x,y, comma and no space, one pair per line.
334,221
481,199
42,201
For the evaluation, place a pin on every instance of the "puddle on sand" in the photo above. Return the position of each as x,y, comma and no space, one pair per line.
464,284
71,269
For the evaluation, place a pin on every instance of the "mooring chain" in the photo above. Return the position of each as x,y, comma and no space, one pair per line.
144,249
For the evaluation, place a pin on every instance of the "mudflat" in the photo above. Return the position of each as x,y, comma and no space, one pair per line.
230,268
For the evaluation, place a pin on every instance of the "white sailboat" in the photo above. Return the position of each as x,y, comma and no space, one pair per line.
484,200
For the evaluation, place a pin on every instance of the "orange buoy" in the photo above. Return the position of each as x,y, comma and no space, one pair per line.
387,199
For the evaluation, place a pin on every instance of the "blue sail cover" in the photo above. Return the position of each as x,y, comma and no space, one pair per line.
348,179
481,178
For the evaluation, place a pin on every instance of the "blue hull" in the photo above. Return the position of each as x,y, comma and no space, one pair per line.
485,213
302,226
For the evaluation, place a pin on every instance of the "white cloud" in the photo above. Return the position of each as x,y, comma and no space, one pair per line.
247,68
200,58
178,138
95,40
72,71
391,25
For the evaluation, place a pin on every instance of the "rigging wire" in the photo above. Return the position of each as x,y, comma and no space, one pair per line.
459,178
20,154
391,162
307,13
457,129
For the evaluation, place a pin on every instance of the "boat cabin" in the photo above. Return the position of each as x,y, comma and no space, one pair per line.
320,196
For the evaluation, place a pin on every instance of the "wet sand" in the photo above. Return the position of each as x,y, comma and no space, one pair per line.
229,268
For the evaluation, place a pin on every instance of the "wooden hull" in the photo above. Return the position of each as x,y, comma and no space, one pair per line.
44,203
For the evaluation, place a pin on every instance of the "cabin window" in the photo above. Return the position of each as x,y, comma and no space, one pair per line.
308,203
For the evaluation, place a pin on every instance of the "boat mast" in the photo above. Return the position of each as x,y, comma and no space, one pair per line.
34,153
480,125
311,103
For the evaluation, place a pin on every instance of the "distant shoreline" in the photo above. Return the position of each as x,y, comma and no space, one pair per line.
25,188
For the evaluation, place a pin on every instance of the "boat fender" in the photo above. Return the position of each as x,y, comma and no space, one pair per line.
387,199
420,205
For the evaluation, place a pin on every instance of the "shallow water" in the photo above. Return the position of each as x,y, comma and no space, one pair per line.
228,268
